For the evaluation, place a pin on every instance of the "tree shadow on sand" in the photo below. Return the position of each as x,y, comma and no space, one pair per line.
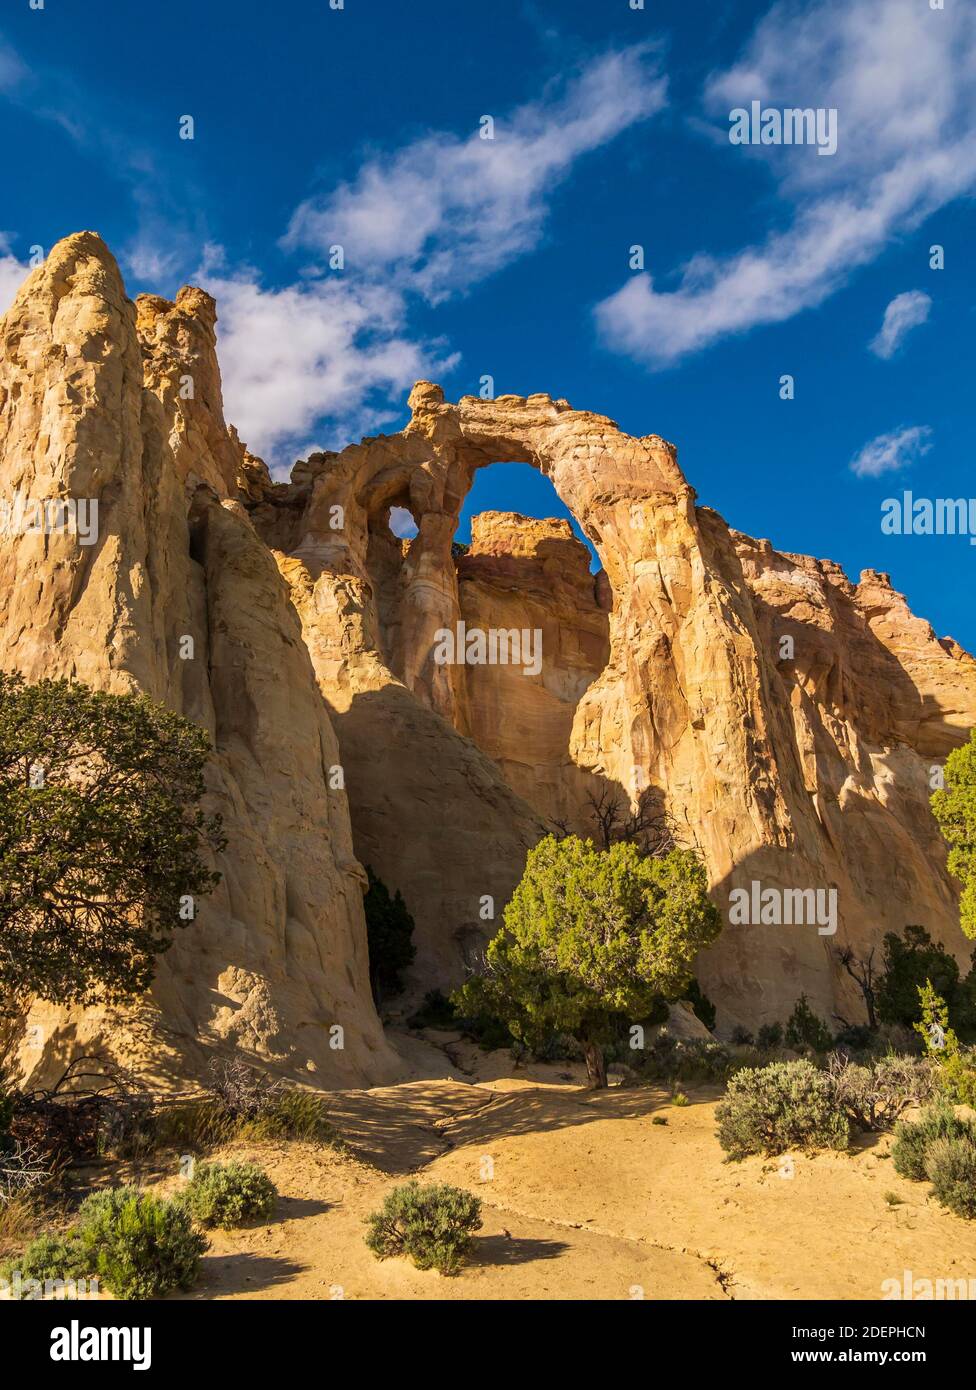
513,1250
242,1273
400,1130
294,1208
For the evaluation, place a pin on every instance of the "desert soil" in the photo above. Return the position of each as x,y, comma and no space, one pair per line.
584,1197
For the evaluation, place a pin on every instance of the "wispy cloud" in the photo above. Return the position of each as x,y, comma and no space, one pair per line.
889,453
325,354
445,212
905,312
13,72
903,80
316,350
169,225
12,274
422,223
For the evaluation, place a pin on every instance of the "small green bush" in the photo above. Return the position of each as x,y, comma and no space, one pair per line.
782,1106
914,1138
48,1257
228,1194
950,1166
432,1225
138,1245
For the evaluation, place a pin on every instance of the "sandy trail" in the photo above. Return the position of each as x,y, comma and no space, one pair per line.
584,1196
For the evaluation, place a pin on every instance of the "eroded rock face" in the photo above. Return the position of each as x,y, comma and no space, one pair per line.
317,635
278,954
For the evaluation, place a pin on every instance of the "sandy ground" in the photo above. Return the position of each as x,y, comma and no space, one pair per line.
584,1197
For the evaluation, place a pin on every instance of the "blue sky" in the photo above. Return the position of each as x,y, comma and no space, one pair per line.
464,257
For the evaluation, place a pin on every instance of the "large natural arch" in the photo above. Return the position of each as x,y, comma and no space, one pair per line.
371,607
757,767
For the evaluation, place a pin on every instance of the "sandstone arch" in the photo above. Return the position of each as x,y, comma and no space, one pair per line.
755,758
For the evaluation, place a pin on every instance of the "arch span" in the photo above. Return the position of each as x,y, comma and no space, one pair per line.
754,762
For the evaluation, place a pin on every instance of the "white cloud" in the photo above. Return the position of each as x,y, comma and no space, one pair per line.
429,220
150,262
12,274
905,312
903,80
443,213
290,357
889,453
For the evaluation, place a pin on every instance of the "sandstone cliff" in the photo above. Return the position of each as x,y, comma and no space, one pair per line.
315,632
92,409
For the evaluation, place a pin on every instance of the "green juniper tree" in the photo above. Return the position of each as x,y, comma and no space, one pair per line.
101,835
954,807
592,938
911,961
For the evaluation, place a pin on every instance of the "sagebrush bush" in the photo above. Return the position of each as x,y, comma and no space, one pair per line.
901,1081
950,1166
914,1138
432,1225
782,1106
227,1194
138,1245
48,1257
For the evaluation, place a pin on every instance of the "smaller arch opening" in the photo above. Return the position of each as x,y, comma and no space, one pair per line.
401,522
